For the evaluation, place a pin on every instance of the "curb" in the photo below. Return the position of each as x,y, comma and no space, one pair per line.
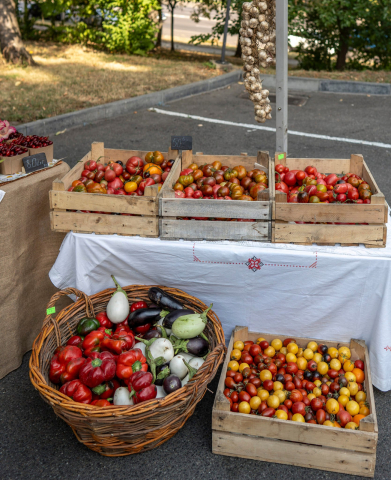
332,86
52,125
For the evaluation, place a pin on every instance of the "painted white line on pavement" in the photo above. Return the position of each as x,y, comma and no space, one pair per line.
270,129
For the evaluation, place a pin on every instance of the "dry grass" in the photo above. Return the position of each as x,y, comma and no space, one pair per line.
365,76
70,78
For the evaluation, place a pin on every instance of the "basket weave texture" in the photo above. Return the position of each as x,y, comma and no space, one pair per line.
120,430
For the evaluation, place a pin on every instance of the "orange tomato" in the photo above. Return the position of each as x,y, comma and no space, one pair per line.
357,418
360,375
130,187
193,166
76,182
151,168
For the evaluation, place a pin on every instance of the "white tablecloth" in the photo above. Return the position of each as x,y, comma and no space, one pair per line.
328,293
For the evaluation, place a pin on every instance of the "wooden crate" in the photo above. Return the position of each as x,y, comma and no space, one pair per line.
302,444
145,221
173,228
375,214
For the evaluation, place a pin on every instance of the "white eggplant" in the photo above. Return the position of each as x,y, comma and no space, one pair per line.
192,367
160,392
121,397
162,347
118,307
196,362
141,346
160,322
187,356
190,326
178,367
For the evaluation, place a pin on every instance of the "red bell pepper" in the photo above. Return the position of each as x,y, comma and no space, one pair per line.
76,341
137,306
143,328
98,370
130,362
104,320
120,342
123,326
60,361
141,386
77,391
72,369
101,403
106,390
93,341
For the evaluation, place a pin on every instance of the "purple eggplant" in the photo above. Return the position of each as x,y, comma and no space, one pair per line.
170,318
171,384
151,334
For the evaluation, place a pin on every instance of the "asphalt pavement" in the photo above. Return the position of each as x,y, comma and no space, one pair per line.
36,444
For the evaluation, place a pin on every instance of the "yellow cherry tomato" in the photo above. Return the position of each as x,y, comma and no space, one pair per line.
353,388
299,353
350,376
344,391
281,415
292,348
269,351
281,395
318,358
273,402
364,410
348,366
276,344
291,357
311,396
283,350
255,402
327,423
351,426
322,368
317,392
263,394
242,366
343,400
360,397
236,354
302,363
333,352
244,407
353,408
317,383
233,365
312,346
335,364
277,386
265,375
344,354
308,354
130,187
332,406
298,417
259,340
239,345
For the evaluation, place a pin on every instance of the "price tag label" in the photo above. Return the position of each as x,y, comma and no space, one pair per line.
50,311
281,156
35,162
182,143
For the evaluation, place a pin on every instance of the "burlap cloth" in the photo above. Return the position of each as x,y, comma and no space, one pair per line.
28,249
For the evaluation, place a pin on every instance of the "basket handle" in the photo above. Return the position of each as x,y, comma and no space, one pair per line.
67,291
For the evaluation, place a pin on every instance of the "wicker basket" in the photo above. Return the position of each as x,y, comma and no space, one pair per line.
121,430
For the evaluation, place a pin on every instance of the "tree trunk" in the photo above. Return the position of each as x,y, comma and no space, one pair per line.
160,32
11,44
172,27
343,48
238,52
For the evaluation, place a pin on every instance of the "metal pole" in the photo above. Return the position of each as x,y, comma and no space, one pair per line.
225,32
282,75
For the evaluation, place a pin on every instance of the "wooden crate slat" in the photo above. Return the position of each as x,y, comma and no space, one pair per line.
292,453
104,224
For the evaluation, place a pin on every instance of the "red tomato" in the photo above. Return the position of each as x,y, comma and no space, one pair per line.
290,179
341,188
289,386
341,197
284,408
244,396
235,407
264,344
325,389
320,416
255,350
292,368
268,412
296,396
331,179
251,389
359,364
310,386
272,368
268,385
298,407
282,187
344,417
310,170
238,377
234,397
288,403
262,407
297,382
230,383
316,404
279,168
300,176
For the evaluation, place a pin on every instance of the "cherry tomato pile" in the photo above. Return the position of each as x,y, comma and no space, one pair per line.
215,181
311,186
316,384
115,178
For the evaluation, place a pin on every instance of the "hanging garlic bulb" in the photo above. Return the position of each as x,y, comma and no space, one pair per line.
257,36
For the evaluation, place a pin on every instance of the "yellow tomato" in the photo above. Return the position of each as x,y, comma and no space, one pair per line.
322,368
130,187
281,395
311,396
353,408
308,354
350,376
353,388
277,386
317,358
263,394
265,375
292,348
300,353
233,365
259,340
283,350
244,407
360,397
239,345
348,366
236,354
327,423
255,402
335,364
317,383
302,363
364,410
317,392
343,400
333,352
328,383
281,415
276,344
242,366
344,354
269,351
273,401
312,346
291,357
351,426
332,406
298,417
344,391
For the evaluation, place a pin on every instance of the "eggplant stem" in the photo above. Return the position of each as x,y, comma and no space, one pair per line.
192,371
164,333
202,335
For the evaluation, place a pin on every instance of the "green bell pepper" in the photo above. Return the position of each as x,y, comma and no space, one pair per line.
87,325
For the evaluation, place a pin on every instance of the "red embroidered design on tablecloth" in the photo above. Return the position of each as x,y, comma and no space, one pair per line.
255,263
